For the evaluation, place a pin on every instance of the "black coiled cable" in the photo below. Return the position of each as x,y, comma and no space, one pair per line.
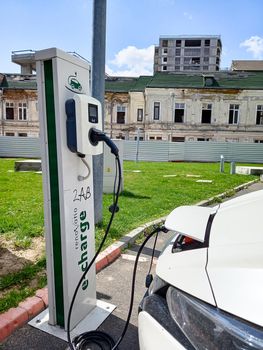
76,345
102,340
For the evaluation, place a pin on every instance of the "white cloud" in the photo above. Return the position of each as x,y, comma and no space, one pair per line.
255,45
132,61
188,15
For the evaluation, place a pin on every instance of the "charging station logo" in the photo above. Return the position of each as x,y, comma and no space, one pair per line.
73,84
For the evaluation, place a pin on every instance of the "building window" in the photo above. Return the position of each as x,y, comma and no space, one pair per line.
140,138
177,52
259,119
178,43
206,113
156,111
258,141
139,114
165,51
159,138
233,114
22,111
164,67
151,138
9,134
164,59
206,59
120,114
176,67
203,139
205,67
179,113
22,134
9,110
192,43
164,43
178,139
207,42
177,60
196,60
192,52
206,51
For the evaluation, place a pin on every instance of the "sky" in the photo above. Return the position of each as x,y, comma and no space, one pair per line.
133,28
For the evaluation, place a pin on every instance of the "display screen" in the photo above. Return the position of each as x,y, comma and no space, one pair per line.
93,113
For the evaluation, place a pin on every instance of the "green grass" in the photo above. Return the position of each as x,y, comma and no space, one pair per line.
147,195
21,206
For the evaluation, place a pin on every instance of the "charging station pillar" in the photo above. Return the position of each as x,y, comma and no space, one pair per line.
68,201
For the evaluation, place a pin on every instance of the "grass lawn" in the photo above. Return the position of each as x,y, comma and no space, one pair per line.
149,194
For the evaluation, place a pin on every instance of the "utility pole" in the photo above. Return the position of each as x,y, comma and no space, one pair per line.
98,91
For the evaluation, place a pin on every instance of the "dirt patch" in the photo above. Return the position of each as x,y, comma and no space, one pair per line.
13,259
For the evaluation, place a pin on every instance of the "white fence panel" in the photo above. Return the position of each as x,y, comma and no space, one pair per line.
19,147
154,151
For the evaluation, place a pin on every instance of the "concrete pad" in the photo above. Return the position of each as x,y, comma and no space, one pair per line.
191,175
28,165
249,170
205,181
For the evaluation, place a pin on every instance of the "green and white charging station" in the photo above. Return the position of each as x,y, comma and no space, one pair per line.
68,192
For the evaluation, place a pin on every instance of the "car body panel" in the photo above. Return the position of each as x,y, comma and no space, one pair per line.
152,336
189,220
187,271
235,257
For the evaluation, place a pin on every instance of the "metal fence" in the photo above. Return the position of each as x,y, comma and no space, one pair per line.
156,151
193,151
19,147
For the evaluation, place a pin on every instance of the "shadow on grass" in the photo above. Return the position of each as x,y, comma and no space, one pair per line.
133,195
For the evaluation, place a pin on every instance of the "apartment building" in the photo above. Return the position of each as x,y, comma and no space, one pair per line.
187,53
223,106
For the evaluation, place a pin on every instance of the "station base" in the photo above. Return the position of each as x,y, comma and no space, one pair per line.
91,322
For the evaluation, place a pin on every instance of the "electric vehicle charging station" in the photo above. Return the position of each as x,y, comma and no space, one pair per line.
67,113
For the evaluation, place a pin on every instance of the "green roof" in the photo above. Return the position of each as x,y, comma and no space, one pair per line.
19,82
122,84
222,80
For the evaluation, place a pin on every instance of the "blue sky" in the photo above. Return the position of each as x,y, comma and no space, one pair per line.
133,27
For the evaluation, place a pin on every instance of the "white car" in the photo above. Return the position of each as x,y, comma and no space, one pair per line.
208,288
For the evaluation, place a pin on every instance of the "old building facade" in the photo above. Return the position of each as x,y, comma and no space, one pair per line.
177,107
18,106
225,106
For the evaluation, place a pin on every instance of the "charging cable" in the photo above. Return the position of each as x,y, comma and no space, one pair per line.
101,339
77,343
156,230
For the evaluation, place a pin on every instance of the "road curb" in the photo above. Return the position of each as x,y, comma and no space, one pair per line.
29,308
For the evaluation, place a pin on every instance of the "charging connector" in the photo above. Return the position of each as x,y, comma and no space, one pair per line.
95,136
